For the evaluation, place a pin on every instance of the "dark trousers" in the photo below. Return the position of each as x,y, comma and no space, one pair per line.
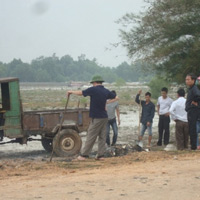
182,133
113,124
192,120
163,128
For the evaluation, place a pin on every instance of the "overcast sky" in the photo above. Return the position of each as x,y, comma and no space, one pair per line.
33,28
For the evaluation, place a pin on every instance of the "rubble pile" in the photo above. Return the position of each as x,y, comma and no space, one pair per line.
122,149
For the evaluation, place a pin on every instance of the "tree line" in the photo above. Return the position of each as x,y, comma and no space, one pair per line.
64,69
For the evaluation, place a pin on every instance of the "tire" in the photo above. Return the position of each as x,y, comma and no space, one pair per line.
47,144
67,143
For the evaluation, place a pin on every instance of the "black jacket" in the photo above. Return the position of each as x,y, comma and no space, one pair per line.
193,95
148,111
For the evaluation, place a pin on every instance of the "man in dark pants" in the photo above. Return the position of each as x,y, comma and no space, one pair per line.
163,106
192,108
99,118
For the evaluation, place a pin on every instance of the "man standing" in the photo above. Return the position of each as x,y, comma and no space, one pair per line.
111,107
198,120
163,106
99,118
192,108
148,111
179,115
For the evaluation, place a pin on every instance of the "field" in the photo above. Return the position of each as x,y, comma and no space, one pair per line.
139,175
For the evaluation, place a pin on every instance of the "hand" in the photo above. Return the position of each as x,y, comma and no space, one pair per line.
148,124
119,122
139,92
167,114
69,93
194,103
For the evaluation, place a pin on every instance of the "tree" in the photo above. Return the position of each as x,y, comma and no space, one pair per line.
167,35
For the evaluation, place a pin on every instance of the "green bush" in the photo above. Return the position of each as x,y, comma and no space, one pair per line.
120,82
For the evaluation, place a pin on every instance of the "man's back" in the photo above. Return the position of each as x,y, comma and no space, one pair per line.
177,110
98,97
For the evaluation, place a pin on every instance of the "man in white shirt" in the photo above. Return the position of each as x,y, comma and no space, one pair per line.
179,115
163,106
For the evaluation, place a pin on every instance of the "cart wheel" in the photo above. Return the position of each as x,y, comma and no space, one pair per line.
47,144
67,143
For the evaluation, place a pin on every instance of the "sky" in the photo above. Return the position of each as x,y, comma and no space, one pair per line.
34,28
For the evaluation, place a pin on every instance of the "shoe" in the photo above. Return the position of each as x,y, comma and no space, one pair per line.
159,144
99,158
148,146
80,158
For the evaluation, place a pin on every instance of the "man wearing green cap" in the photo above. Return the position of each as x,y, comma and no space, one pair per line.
98,114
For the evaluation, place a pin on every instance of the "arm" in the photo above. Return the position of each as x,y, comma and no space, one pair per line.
172,111
78,92
168,114
111,95
137,99
158,108
112,100
196,93
118,115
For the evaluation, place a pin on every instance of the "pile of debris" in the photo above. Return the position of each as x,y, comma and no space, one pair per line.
121,150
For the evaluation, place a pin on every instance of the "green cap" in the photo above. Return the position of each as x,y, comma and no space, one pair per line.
97,79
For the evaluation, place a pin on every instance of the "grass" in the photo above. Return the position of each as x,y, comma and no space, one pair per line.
38,99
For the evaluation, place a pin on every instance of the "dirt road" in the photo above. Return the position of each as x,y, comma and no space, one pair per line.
145,175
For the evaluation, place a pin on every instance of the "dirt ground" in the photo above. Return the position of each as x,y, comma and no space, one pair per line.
145,175
27,174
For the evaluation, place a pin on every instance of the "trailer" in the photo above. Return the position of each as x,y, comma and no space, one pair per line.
21,126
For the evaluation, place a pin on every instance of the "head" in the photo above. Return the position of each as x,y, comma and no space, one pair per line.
97,80
96,83
190,79
147,96
164,92
113,91
181,92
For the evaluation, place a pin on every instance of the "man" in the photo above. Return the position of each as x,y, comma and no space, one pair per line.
192,108
99,118
163,106
179,115
148,111
198,120
112,106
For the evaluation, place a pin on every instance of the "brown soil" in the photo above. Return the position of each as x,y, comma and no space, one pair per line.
145,175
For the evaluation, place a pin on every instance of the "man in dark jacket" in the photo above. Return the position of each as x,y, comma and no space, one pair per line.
192,108
98,114
148,111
